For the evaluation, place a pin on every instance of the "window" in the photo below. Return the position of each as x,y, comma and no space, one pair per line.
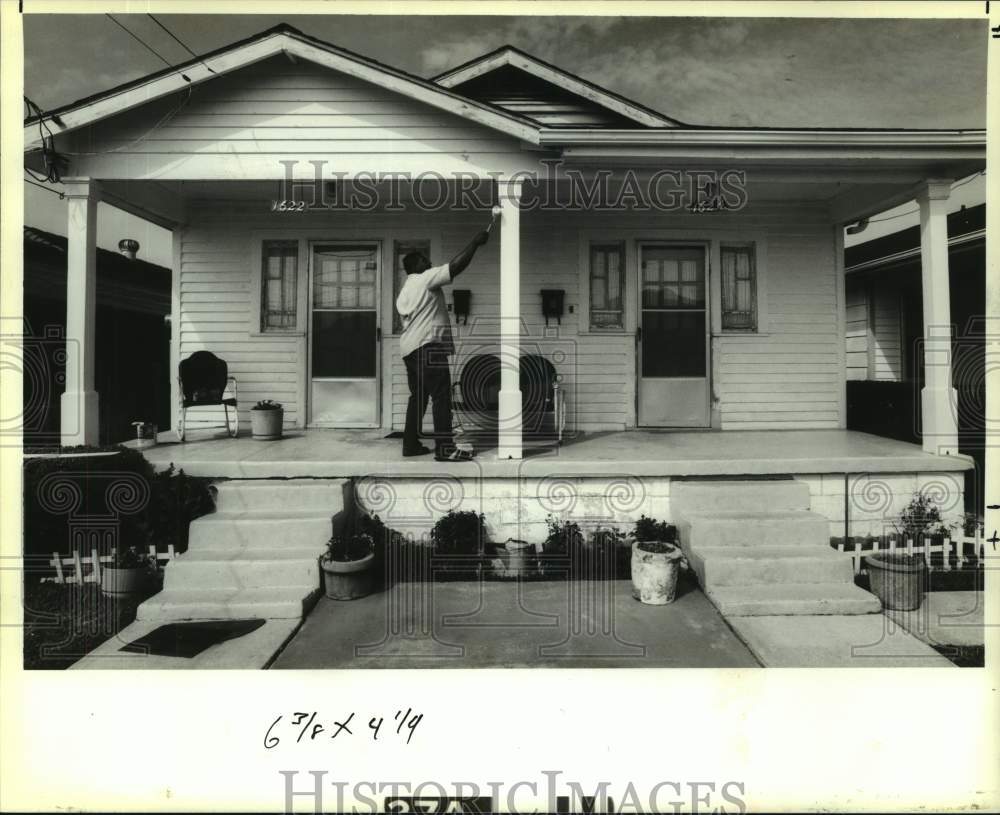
739,288
607,286
400,250
279,286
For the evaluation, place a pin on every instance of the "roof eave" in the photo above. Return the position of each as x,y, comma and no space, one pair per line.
267,45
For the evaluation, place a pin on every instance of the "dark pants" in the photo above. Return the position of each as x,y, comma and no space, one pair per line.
429,377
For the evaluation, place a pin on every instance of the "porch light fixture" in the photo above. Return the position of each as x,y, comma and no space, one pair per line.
461,302
552,304
128,247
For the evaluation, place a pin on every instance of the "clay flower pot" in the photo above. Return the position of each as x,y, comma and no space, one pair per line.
267,422
898,580
348,579
117,582
655,566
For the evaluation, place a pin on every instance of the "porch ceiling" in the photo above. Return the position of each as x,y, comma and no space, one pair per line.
642,453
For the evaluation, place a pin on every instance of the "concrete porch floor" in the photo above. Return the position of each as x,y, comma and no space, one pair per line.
544,624
344,453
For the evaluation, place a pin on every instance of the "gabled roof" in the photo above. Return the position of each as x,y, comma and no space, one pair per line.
280,39
508,57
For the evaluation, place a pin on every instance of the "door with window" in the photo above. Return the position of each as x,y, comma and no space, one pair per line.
344,334
673,337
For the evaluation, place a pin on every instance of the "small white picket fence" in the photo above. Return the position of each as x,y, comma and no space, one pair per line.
76,573
948,548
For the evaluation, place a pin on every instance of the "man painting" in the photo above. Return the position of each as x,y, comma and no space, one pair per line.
425,344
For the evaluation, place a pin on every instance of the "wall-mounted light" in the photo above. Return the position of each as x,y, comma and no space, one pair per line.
552,304
128,247
462,303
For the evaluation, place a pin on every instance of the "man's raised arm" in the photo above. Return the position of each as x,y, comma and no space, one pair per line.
460,262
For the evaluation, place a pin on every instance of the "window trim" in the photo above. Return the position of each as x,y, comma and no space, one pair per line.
257,279
752,246
759,242
263,330
588,239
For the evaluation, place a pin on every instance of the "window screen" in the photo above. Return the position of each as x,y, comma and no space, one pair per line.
607,286
278,281
739,288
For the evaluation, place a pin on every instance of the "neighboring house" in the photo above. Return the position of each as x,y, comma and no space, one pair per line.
132,344
719,309
885,368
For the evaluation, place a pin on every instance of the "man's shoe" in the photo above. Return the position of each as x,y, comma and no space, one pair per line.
419,451
454,455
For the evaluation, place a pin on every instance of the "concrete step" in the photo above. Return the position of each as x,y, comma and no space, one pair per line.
239,568
793,598
262,495
738,496
774,528
281,602
763,565
262,529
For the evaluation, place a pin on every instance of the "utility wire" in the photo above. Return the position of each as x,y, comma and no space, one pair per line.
179,41
914,211
44,187
145,44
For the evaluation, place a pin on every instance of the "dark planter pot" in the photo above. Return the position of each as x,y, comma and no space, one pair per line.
348,579
898,580
267,425
117,582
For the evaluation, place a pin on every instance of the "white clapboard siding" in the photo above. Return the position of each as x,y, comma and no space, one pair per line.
873,331
790,376
255,117
787,376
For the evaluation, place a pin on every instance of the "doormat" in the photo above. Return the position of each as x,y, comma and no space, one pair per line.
190,639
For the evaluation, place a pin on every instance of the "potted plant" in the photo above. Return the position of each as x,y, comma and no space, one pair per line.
130,571
897,579
266,420
460,543
347,566
656,562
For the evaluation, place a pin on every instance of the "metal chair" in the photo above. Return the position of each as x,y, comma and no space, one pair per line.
204,382
475,397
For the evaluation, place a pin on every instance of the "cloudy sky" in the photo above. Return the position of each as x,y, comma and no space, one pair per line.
711,71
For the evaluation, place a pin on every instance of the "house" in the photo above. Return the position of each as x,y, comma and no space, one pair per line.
885,371
701,272
132,344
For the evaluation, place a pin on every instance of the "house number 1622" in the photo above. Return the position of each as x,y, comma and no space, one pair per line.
287,206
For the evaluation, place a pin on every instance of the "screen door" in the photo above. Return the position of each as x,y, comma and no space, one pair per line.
673,340
344,335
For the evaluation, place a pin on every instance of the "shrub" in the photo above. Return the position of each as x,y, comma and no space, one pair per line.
648,529
175,499
564,537
920,517
460,533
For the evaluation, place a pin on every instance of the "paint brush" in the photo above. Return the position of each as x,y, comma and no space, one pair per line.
495,213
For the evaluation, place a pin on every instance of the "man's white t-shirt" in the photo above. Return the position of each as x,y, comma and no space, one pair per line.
422,306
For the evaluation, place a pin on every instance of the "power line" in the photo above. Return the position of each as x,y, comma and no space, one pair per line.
179,41
44,187
145,44
915,211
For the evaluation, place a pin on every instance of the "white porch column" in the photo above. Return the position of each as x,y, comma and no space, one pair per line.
79,403
509,441
938,398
